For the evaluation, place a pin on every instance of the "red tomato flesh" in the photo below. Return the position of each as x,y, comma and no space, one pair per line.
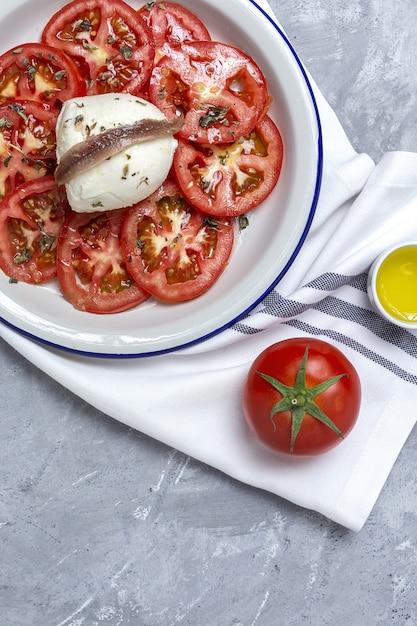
27,143
30,222
231,179
171,24
90,266
172,250
37,72
107,41
220,90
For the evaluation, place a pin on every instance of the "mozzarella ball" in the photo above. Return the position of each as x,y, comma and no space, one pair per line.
126,177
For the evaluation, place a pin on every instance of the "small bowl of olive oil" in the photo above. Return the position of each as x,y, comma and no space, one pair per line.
392,284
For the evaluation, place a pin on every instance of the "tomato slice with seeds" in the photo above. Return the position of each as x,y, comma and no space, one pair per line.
38,72
231,179
107,41
172,24
91,269
31,217
173,250
221,91
27,143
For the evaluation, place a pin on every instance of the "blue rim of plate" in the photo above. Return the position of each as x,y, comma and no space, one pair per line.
281,274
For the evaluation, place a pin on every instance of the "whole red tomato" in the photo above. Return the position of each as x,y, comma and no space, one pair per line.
301,396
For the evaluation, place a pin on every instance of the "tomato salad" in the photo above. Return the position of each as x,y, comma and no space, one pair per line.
175,244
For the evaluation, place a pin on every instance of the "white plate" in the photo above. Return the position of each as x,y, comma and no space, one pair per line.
264,251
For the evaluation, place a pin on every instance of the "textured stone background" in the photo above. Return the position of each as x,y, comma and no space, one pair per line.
101,526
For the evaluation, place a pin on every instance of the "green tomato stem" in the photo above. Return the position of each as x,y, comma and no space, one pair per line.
299,400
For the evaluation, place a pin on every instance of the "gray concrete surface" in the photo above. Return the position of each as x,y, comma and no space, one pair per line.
101,526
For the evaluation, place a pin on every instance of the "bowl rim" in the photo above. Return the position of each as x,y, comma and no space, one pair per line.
111,344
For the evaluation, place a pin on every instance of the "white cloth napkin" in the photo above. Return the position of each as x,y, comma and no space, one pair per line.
191,399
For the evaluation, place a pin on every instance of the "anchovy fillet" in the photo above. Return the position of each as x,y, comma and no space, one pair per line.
87,154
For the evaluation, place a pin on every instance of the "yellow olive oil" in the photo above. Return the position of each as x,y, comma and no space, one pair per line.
396,284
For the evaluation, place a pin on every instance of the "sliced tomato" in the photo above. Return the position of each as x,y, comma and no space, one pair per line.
172,250
231,179
172,24
221,91
27,143
30,221
34,71
107,41
90,265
